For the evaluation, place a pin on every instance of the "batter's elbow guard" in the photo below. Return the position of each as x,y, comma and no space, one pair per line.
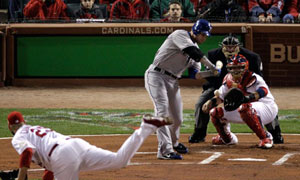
194,53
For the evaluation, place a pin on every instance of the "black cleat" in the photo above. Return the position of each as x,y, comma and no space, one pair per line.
181,149
278,140
193,139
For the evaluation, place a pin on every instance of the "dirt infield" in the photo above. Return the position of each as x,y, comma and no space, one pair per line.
243,161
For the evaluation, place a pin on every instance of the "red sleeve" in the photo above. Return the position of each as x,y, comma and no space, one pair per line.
48,175
113,11
251,4
33,8
292,8
25,158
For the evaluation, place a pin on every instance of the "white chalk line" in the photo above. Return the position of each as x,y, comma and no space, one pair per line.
284,158
208,160
246,159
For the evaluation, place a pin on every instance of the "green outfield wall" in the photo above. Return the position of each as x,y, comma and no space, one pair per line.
90,56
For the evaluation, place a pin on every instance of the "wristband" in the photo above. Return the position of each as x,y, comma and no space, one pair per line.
213,101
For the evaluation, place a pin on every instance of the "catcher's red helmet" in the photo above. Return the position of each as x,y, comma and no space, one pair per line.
15,118
237,65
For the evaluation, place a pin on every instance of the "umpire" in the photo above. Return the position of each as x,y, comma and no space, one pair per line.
229,46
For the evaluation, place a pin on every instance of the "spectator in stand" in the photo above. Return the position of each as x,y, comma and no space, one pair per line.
293,9
223,11
199,4
130,9
159,9
108,4
265,11
244,4
89,10
175,13
46,10
13,6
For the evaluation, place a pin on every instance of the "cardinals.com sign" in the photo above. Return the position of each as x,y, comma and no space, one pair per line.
136,30
280,52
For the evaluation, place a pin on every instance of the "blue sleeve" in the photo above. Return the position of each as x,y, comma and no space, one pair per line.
256,11
192,72
274,11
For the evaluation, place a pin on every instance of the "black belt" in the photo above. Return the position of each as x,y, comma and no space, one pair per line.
165,72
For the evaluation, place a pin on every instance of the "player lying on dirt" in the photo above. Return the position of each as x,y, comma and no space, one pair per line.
244,97
64,157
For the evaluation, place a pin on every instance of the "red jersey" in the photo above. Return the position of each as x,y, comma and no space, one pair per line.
37,9
266,4
293,7
124,9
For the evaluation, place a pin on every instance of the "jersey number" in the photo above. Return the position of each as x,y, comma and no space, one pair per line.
40,131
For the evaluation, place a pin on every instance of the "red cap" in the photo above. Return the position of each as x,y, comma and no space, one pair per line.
15,118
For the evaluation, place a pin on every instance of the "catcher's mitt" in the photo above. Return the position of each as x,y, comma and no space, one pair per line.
233,99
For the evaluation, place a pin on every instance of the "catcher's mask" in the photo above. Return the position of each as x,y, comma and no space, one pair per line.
230,46
237,66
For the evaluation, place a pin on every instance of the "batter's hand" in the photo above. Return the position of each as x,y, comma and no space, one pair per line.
219,66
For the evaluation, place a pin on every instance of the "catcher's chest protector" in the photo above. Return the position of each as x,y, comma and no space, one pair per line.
247,81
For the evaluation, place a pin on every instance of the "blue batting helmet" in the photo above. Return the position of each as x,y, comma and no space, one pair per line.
202,26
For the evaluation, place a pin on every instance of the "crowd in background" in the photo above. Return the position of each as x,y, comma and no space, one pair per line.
256,11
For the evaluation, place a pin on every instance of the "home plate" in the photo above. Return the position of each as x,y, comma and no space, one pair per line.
246,159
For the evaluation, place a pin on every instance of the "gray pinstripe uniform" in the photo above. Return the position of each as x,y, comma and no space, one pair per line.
161,82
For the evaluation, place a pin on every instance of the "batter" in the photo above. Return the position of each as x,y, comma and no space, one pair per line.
179,52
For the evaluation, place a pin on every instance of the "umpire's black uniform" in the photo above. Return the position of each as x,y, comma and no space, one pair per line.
213,83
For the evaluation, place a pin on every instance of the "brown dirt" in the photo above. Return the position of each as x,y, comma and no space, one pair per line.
187,169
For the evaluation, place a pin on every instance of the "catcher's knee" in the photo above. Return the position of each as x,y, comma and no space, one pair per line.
244,107
216,114
246,111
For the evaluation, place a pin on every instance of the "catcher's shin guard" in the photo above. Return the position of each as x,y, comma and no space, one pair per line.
216,116
249,116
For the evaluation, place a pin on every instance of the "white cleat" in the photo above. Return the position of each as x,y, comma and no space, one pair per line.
157,121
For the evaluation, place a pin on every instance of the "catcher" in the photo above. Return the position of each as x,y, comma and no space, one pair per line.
244,97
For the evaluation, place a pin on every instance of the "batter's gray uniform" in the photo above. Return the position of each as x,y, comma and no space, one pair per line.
161,82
